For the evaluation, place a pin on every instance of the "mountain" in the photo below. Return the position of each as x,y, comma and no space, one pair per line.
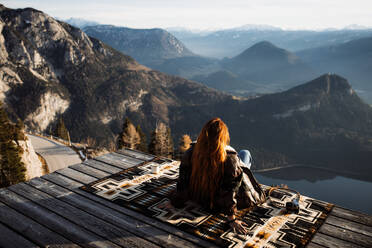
231,42
255,62
352,59
322,122
155,48
50,69
80,23
148,46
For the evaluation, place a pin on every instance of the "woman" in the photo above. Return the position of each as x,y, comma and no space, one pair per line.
212,174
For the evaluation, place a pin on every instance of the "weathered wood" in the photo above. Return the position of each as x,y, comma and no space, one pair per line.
90,171
98,226
32,230
349,225
77,176
136,154
74,184
331,242
347,235
53,221
102,166
116,218
9,238
120,161
352,215
313,245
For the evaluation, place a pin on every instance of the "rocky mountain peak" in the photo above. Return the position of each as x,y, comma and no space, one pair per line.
329,84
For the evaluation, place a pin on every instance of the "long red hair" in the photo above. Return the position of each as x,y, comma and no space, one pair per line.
207,161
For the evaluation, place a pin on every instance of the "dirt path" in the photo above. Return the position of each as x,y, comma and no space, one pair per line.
57,155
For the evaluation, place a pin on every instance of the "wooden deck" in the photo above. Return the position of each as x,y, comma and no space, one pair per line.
52,211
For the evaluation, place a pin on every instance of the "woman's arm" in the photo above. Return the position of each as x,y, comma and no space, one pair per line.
226,199
233,176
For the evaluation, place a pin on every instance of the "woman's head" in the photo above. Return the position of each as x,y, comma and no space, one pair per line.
214,137
208,159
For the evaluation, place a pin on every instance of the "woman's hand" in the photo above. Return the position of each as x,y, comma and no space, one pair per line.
239,226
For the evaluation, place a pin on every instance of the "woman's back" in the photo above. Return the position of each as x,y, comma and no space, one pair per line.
227,197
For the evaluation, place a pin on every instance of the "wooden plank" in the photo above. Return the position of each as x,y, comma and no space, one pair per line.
98,226
352,215
128,223
349,225
120,161
102,166
74,184
53,221
136,154
89,171
9,238
73,174
313,245
331,242
32,230
347,235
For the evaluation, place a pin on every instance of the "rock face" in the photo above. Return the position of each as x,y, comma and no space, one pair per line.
148,46
51,69
30,159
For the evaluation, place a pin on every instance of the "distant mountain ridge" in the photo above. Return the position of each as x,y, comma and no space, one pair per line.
148,46
230,42
254,63
262,68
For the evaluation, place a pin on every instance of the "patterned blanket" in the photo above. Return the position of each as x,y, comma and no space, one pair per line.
146,188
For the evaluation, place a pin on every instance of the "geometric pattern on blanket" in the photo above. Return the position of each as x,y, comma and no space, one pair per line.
139,189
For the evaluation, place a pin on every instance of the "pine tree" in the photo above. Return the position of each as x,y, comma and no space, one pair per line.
161,143
184,145
61,130
129,136
12,170
142,146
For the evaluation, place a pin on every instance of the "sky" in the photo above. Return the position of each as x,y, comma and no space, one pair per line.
209,14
